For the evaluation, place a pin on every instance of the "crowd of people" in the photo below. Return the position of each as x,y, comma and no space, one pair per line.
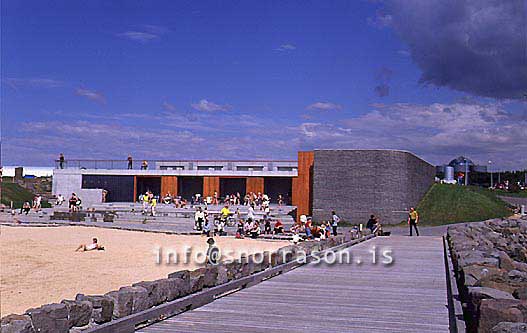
258,200
175,200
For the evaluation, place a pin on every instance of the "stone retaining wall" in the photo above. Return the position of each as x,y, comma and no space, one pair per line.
87,311
490,259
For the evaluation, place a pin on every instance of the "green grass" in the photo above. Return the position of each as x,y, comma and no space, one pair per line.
17,194
445,204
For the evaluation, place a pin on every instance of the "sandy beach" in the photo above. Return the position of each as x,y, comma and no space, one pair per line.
40,265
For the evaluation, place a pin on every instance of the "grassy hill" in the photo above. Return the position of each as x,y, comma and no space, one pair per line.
444,204
17,194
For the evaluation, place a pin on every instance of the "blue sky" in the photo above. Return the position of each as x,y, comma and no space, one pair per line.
262,79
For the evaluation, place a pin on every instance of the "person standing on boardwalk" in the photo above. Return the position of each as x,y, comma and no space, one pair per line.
130,162
335,222
413,220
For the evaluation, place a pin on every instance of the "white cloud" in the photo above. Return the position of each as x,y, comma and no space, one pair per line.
16,83
146,33
286,47
91,95
168,107
324,106
437,132
207,106
138,36
155,29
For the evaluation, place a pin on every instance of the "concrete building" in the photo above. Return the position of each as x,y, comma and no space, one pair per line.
358,183
355,183
182,178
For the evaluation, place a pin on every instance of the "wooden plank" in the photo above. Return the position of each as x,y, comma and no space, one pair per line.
211,185
169,185
406,296
255,185
302,184
135,188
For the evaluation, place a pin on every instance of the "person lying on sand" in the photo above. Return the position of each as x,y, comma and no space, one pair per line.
93,246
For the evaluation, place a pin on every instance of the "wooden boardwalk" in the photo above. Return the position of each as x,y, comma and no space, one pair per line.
407,296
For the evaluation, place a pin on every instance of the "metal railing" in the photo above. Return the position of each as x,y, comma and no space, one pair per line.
153,164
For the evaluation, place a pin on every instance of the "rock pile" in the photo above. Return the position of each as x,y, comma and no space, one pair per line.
88,311
490,259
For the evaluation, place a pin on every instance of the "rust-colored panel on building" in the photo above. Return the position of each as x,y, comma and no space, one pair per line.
169,185
255,185
303,184
135,188
211,185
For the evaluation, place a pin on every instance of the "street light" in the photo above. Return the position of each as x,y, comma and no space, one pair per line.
490,170
466,172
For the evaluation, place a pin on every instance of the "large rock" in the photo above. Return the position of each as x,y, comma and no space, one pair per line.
79,312
520,293
123,301
210,276
255,263
234,270
140,298
183,285
15,323
246,266
517,276
197,280
508,327
102,307
287,253
494,311
222,274
521,266
155,292
482,271
505,261
486,293
467,258
184,275
50,318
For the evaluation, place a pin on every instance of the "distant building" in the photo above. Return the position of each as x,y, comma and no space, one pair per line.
459,167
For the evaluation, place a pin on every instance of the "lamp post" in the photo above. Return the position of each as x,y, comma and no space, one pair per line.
466,173
490,170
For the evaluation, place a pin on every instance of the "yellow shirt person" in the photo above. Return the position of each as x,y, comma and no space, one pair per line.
413,219
225,212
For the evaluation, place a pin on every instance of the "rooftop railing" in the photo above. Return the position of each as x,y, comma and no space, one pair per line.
230,165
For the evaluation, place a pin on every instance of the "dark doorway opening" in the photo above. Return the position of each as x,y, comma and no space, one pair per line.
273,186
189,186
230,186
120,188
152,184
